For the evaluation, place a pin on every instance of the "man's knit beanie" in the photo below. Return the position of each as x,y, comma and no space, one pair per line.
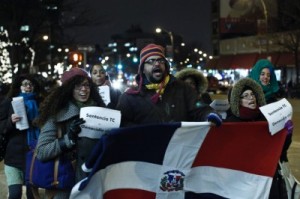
148,51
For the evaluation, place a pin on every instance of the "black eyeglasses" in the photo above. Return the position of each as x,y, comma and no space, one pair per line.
25,84
153,61
248,96
80,86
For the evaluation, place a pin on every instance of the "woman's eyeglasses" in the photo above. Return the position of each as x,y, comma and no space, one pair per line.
248,96
80,86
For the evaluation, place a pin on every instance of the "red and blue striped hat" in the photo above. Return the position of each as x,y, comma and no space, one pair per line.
150,50
147,51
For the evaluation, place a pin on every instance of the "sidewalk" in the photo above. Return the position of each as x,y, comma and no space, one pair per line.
294,158
294,150
3,187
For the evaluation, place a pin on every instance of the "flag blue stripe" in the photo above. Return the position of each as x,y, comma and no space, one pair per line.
142,143
191,195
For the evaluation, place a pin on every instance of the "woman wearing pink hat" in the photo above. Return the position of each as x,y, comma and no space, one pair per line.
61,110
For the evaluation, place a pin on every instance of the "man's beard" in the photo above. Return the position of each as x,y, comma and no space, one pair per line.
154,80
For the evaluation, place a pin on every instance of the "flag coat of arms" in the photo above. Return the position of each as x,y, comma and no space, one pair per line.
183,161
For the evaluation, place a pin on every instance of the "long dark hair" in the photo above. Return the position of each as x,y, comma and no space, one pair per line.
60,97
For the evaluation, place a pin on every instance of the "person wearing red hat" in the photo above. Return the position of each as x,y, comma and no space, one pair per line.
61,110
160,97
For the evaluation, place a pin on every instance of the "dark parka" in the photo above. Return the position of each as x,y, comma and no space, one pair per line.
4,108
17,145
178,103
114,97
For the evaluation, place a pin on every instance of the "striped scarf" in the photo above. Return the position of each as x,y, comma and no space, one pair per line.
160,88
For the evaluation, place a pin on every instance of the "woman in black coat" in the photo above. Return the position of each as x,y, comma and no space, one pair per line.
19,141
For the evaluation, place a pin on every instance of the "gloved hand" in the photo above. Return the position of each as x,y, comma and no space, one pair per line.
214,118
289,126
74,130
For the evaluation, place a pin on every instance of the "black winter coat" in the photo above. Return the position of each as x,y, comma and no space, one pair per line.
178,103
17,145
114,97
4,108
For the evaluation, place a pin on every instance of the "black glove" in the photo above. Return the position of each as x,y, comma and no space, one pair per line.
74,130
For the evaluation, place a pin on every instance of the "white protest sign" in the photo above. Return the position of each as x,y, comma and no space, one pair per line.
277,114
221,106
104,93
98,120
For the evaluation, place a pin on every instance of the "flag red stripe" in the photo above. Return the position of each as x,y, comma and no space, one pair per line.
129,193
251,149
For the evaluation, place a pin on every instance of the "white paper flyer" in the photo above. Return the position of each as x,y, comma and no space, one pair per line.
19,109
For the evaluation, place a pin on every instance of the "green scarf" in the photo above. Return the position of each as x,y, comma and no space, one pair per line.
90,102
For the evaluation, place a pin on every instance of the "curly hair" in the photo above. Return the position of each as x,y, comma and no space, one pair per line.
60,97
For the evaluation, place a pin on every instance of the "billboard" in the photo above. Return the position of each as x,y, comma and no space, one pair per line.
246,16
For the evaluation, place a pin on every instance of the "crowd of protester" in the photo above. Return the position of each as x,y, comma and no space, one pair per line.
159,97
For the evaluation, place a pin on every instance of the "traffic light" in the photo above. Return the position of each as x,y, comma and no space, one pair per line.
75,57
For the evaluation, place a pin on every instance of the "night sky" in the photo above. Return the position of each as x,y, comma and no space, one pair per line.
189,18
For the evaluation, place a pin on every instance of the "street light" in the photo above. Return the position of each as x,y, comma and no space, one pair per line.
265,12
263,23
45,37
159,30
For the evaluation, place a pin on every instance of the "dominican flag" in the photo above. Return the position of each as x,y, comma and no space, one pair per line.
183,161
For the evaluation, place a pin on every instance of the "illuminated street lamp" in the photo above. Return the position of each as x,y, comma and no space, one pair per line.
263,23
265,12
159,30
45,37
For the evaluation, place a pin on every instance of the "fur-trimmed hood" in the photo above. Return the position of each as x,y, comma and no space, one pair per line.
198,76
237,90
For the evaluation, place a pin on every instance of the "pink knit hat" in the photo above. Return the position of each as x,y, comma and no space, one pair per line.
67,75
150,50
